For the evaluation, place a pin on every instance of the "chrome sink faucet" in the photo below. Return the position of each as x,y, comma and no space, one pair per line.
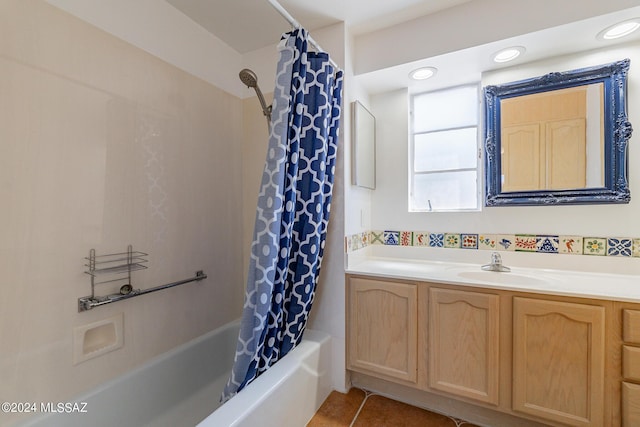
496,264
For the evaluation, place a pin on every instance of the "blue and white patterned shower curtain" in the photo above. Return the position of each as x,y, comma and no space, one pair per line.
293,209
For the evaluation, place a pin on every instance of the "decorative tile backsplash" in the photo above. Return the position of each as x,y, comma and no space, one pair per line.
540,243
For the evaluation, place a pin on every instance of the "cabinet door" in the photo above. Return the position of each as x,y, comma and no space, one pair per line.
630,404
566,154
464,343
383,318
558,361
522,159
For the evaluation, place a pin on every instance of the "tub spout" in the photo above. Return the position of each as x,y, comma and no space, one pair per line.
496,264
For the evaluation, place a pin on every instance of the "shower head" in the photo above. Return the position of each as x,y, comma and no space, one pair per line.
250,79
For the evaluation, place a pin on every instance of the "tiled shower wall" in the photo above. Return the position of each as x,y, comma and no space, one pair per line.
550,244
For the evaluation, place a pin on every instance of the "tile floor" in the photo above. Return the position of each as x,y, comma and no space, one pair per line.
361,408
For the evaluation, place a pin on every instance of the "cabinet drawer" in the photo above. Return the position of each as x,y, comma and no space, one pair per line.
631,326
631,363
630,404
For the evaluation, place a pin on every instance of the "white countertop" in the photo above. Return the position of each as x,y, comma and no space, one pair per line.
607,286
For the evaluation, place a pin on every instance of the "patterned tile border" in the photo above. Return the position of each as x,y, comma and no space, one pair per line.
540,243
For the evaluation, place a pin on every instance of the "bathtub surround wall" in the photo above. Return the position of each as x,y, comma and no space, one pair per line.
103,145
165,32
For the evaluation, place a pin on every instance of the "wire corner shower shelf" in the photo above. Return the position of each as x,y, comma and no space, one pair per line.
117,267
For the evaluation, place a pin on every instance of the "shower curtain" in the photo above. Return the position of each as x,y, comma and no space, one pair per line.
293,209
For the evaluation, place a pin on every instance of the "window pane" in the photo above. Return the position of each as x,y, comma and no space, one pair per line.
450,108
445,191
452,149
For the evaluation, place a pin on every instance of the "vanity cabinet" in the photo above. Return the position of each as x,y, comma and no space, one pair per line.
463,343
559,360
382,328
504,357
630,367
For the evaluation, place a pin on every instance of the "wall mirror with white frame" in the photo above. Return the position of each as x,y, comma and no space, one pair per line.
560,138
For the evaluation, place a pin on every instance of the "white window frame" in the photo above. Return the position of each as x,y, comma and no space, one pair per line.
477,169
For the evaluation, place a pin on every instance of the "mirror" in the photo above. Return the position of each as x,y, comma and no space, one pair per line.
558,139
363,135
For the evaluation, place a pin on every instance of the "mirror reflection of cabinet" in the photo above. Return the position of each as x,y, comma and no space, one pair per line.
545,143
568,147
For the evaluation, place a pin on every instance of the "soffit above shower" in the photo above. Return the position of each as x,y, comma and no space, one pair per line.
248,25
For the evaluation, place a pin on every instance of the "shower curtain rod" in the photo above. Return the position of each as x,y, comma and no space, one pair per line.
295,24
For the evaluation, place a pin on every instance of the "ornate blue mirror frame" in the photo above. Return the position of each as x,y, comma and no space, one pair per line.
617,131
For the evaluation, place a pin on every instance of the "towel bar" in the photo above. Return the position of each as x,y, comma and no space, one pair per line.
89,302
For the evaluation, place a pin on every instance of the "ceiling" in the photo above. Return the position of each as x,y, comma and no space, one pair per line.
248,25
579,36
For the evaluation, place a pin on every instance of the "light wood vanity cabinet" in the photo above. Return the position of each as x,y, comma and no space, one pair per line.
630,367
559,360
383,321
553,360
463,343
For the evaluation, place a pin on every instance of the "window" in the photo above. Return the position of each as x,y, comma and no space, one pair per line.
444,150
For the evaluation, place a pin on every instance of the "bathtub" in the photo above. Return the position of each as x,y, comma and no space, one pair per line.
182,388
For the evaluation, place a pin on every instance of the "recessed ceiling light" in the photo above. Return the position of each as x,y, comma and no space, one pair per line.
508,54
620,29
423,73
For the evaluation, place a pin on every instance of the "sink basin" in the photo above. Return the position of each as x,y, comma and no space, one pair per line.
506,278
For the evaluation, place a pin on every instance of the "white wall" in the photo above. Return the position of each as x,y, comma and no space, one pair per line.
390,199
357,199
328,312
163,31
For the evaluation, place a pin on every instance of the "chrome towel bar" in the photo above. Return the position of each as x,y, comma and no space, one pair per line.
89,302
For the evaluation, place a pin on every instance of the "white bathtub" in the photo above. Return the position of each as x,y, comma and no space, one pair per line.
182,388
